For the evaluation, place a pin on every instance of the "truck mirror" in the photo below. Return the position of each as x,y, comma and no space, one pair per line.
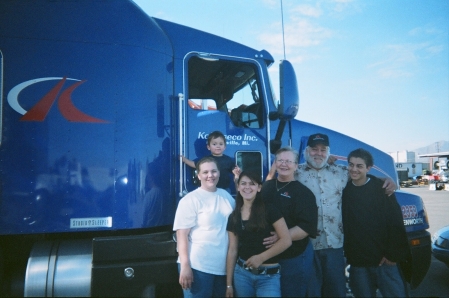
289,96
273,115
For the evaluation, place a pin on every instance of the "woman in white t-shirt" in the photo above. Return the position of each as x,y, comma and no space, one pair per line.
200,225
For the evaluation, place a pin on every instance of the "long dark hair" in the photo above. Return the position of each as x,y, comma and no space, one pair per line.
257,218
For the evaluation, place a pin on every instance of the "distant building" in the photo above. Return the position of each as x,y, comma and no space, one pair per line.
405,161
422,159
403,156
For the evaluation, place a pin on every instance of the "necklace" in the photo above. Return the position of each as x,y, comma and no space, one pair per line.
241,218
278,189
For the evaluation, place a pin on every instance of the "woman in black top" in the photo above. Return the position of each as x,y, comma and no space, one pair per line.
257,272
297,204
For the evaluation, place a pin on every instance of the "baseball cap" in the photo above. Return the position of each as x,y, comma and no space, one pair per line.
318,138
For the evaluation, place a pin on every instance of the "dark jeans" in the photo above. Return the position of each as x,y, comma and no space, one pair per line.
296,272
205,285
329,278
364,281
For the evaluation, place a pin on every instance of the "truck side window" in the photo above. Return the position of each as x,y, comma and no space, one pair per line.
228,86
249,161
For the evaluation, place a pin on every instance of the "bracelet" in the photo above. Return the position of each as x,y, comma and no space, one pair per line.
228,287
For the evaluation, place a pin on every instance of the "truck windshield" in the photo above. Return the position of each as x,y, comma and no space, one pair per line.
228,86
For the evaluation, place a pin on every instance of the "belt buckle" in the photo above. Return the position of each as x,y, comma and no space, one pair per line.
254,271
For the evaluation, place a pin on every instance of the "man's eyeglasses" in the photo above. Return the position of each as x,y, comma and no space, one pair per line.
287,162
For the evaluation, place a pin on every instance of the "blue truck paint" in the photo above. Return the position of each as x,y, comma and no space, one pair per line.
98,100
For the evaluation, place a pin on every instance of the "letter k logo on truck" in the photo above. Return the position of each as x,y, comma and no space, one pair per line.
40,110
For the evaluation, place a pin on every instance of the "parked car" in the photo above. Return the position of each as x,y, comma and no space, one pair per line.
440,245
416,180
406,183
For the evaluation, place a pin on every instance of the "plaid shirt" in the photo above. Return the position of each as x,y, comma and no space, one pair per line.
327,185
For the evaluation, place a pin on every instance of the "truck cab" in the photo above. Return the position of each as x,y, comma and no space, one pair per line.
94,115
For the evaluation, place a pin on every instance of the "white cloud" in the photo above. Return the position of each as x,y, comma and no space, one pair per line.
401,60
425,30
393,72
307,10
342,8
299,34
415,31
435,49
303,33
341,5
271,3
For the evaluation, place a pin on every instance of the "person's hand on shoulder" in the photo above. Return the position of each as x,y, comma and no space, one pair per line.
332,159
389,186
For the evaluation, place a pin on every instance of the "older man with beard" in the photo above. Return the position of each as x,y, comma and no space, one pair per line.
327,182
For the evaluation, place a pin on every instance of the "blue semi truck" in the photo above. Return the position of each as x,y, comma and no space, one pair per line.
98,100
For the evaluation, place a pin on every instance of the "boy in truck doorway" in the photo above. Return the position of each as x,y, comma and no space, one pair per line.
216,144
375,239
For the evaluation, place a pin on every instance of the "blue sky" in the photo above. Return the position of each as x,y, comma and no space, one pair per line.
376,70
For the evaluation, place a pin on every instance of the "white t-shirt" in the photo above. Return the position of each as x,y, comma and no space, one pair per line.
206,213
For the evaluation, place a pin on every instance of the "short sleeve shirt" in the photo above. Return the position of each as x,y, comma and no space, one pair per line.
206,214
327,185
250,241
297,205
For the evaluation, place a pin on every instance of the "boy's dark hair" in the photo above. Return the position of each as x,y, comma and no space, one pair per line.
204,160
257,218
214,135
363,154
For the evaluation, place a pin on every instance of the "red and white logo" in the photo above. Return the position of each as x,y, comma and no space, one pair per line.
40,110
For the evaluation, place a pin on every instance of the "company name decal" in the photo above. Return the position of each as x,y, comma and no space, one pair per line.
40,110
238,140
410,215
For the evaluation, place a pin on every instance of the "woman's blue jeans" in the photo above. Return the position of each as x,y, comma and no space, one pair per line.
205,285
247,284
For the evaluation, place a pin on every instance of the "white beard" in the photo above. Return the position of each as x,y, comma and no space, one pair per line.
315,164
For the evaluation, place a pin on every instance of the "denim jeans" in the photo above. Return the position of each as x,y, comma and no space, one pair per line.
329,278
205,285
388,279
296,273
247,284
